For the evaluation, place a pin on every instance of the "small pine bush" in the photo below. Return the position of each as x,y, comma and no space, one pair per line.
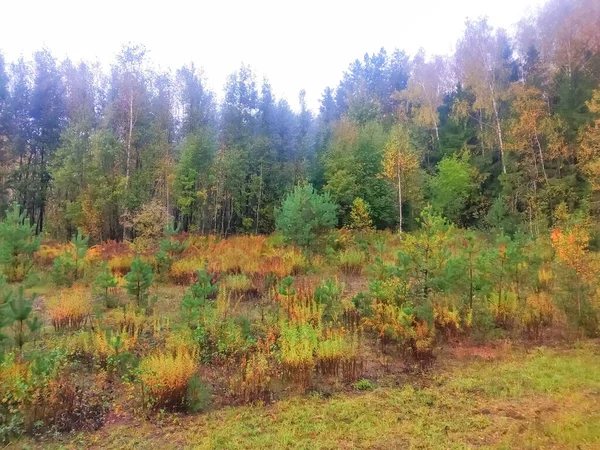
363,385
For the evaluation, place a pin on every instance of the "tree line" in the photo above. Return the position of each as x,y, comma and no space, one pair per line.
504,134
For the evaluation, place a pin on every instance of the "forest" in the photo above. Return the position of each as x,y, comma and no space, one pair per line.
174,259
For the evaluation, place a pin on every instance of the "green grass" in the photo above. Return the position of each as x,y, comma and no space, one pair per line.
546,399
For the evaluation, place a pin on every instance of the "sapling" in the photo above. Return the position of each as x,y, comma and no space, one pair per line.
139,280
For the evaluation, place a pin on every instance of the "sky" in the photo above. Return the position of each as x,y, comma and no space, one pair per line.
297,44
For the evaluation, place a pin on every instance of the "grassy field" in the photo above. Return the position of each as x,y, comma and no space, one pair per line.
537,399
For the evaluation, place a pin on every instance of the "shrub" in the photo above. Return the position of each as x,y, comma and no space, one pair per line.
148,223
363,385
505,310
120,265
70,310
253,382
448,320
184,271
352,261
26,391
297,344
295,261
169,248
538,314
197,395
238,285
329,295
166,377
47,253
305,216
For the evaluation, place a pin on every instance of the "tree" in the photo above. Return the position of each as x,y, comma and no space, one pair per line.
18,243
139,280
360,215
425,92
48,114
68,267
305,216
20,313
454,187
400,160
193,181
486,68
198,294
589,151
105,281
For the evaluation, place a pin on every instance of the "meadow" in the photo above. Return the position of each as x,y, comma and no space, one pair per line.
441,337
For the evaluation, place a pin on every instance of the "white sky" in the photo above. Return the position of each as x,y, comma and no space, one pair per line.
296,44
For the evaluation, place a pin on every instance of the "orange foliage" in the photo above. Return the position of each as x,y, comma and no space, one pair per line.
572,249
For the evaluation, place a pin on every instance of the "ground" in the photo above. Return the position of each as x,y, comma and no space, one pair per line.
501,398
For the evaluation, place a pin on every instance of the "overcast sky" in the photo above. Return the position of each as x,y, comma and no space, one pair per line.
296,44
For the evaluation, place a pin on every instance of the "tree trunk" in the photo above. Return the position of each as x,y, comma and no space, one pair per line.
498,128
259,198
539,146
129,138
399,201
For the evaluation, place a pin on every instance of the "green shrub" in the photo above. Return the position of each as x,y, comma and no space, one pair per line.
352,261
364,385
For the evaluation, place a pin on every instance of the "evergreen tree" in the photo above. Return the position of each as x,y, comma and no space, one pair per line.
105,281
305,216
18,243
20,314
138,281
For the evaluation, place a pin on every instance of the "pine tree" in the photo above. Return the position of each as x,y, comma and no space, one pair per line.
197,295
24,324
139,280
169,247
306,215
68,267
105,281
18,243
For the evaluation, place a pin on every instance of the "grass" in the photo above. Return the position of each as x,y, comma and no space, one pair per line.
545,398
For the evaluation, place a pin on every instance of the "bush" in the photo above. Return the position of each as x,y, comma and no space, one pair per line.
297,344
363,385
184,270
166,377
26,391
253,383
305,216
120,265
70,310
352,261
238,285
